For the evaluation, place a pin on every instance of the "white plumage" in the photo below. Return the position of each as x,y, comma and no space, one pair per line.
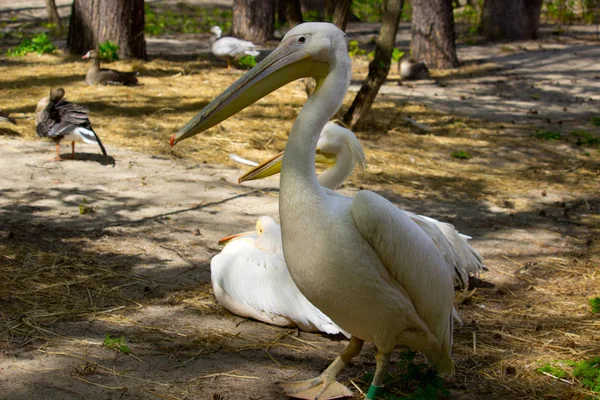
362,261
250,279
229,48
345,152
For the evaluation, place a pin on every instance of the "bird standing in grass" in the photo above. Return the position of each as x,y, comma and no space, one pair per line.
59,119
229,48
105,76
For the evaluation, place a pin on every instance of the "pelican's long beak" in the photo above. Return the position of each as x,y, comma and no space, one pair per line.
273,166
285,64
228,239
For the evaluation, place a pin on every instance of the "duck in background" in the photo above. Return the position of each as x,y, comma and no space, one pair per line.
59,119
229,48
105,76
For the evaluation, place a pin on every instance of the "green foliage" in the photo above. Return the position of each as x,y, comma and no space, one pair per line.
570,11
595,121
595,305
588,373
547,135
461,155
245,62
552,370
187,19
354,49
397,54
368,10
311,16
39,44
116,344
84,208
109,51
422,381
585,138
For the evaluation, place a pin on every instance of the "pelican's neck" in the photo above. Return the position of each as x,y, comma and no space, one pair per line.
299,185
333,177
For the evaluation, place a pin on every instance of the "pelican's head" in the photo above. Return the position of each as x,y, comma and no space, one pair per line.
269,235
335,142
308,50
215,30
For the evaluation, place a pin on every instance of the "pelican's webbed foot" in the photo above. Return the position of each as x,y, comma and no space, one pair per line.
319,388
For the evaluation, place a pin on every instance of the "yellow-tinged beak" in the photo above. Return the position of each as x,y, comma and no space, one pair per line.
273,166
285,64
228,239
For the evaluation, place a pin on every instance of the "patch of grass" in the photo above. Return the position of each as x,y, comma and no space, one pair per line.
547,135
39,44
588,373
417,381
245,62
585,138
535,96
109,51
595,305
187,19
553,370
116,344
461,155
84,208
595,120
354,49
368,10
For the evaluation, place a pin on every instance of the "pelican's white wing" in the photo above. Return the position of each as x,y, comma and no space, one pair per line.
414,261
233,47
261,287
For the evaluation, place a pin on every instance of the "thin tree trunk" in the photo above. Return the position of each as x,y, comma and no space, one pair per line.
253,19
511,19
432,33
120,21
293,12
340,13
53,16
379,67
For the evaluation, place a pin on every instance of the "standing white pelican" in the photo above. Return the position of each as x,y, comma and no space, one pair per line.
362,261
229,48
250,279
340,148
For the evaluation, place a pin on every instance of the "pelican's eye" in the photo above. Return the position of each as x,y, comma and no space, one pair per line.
301,39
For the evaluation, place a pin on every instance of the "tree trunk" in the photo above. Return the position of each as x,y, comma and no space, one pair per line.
253,20
379,67
53,16
511,19
293,12
95,21
432,33
340,13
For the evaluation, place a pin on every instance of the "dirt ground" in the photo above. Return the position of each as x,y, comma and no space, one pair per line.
122,246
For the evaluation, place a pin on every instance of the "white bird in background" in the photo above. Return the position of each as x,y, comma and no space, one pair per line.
250,279
229,48
362,261
341,149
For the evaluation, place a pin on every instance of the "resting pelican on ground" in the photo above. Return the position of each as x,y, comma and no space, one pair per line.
229,48
362,261
250,279
340,148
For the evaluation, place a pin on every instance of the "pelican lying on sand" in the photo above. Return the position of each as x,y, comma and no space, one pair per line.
250,279
362,261
229,48
339,148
